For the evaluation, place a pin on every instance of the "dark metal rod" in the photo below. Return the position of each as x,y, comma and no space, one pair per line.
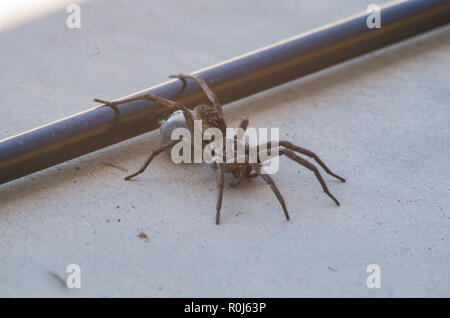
251,73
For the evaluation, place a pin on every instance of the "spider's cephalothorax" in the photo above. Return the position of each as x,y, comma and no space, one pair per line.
211,116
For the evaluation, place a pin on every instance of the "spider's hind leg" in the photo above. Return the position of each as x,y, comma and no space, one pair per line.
108,104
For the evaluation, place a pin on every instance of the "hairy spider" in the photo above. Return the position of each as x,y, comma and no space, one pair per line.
212,116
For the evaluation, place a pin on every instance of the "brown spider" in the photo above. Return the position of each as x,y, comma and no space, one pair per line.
212,116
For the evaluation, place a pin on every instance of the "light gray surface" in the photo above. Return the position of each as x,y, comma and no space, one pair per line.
381,121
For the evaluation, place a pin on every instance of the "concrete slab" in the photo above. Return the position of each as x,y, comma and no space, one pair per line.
381,121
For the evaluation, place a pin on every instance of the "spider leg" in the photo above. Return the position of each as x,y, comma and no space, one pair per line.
113,107
272,184
239,178
291,155
244,123
201,82
248,172
153,154
163,101
220,183
309,153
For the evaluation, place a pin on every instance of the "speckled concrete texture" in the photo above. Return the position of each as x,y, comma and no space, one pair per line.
381,121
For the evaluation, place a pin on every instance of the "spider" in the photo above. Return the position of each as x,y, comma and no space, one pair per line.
211,115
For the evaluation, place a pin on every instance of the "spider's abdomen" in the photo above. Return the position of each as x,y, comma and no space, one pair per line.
176,120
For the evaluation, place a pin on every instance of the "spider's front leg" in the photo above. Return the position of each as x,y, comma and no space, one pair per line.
165,102
291,155
288,150
289,145
208,91
244,171
161,100
269,181
220,183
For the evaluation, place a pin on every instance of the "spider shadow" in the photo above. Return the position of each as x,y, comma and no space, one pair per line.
344,74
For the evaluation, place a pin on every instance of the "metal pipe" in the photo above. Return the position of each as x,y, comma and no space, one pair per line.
248,74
